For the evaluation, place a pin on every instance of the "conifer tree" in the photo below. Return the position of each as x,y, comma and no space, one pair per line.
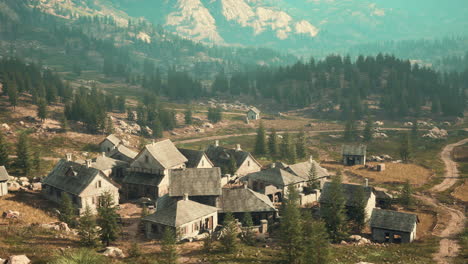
208,242
87,229
3,151
314,182
334,211
248,235
273,143
23,153
414,132
42,109
188,117
357,213
350,131
260,142
157,129
67,210
109,126
12,94
107,219
301,145
36,162
316,242
169,247
134,251
285,147
64,123
232,166
229,237
367,133
290,227
292,154
405,148
407,195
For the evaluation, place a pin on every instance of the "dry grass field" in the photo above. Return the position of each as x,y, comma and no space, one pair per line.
395,173
29,205
461,192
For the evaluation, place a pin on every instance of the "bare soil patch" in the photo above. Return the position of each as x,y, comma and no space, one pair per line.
461,192
395,173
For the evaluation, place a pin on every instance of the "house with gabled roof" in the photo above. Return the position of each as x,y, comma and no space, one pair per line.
253,114
3,181
302,170
222,157
354,155
239,201
202,185
121,152
109,143
392,226
196,158
146,176
186,217
112,168
273,182
81,182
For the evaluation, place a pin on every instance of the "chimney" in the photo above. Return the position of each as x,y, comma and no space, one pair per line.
103,154
245,186
311,158
216,143
238,147
186,198
88,163
153,142
68,156
273,165
367,182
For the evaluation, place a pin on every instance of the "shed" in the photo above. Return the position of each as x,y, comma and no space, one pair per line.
253,114
392,226
3,181
354,155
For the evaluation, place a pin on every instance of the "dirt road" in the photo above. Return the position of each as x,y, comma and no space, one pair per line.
450,220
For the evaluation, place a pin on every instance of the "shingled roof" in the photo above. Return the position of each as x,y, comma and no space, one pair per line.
275,176
171,212
245,200
166,153
194,156
354,150
141,178
349,191
113,139
393,220
195,182
105,163
303,169
72,177
221,156
255,110
123,150
3,174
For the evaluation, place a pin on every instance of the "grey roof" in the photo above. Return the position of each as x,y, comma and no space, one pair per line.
141,178
3,174
106,163
221,156
349,191
72,177
166,153
355,150
194,156
245,200
113,139
123,150
195,182
302,169
393,220
275,176
255,109
173,212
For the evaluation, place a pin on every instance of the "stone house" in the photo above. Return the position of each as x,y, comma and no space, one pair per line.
3,181
239,201
109,143
222,157
302,170
354,155
273,182
196,159
393,226
122,153
201,185
83,183
112,168
349,191
146,176
187,218
253,114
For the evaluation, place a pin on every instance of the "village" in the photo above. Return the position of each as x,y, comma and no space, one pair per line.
162,186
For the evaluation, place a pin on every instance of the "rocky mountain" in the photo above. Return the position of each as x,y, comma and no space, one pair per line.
302,26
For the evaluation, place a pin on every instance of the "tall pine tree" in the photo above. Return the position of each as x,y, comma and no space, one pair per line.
23,154
169,247
260,142
316,242
273,143
334,211
291,228
4,160
107,219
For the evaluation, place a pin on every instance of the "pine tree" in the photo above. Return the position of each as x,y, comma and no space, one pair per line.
285,147
357,213
350,131
64,123
405,148
107,219
3,151
87,229
414,132
67,210
134,251
23,153
36,162
42,109
188,117
273,143
208,242
290,227
169,247
314,182
292,154
157,129
316,242
334,211
367,133
407,195
232,166
260,142
229,237
248,235
301,145
109,126
12,94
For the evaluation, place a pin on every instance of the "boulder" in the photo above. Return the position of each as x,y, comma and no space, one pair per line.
18,259
208,125
13,186
379,123
24,183
436,133
174,133
147,130
2,261
22,179
355,237
6,127
21,123
408,124
113,252
9,214
200,130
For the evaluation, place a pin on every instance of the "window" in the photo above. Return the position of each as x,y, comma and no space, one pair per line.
146,159
98,184
108,149
248,163
203,163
